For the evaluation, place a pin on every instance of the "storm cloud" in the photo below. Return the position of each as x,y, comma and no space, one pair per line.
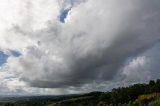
98,42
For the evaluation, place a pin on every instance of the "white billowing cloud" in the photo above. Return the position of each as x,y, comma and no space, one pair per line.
137,70
29,14
143,68
90,47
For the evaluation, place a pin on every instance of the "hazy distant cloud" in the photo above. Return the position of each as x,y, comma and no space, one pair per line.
100,43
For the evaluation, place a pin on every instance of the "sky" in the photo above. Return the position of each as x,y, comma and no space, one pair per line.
55,47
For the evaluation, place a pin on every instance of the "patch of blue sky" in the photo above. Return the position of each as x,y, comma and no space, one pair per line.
4,56
15,53
9,77
63,15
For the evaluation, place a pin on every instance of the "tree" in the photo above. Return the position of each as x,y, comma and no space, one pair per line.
101,103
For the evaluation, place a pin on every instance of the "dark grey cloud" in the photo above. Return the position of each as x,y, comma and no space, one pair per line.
139,32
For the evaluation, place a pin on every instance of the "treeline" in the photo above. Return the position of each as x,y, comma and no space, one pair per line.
131,93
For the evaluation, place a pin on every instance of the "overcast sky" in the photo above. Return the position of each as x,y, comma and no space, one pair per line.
77,46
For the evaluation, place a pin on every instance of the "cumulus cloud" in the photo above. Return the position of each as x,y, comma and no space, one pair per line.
93,46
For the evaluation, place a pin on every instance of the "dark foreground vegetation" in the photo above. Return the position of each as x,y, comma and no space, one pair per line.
135,95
